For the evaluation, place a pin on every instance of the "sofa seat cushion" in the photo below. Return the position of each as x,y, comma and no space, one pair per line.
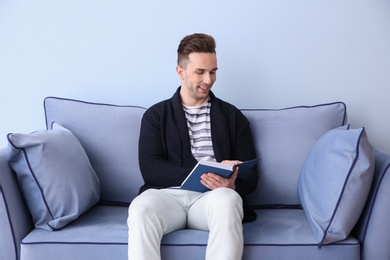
101,233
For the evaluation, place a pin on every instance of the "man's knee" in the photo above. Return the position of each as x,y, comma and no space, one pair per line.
143,207
226,194
225,198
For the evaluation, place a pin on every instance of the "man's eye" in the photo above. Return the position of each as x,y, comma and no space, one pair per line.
199,72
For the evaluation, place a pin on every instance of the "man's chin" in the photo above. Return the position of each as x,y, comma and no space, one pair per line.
203,91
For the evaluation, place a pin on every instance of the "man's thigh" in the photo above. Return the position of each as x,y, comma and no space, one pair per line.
199,214
160,205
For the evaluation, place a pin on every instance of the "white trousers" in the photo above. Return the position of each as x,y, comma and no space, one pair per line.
157,212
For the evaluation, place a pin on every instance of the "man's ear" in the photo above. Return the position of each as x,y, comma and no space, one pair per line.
180,72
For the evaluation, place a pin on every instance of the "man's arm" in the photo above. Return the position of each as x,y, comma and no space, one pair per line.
156,170
245,150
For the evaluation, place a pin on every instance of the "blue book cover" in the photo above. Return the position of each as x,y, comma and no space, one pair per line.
192,182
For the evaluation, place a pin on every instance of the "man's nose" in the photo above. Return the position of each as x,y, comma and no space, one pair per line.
207,78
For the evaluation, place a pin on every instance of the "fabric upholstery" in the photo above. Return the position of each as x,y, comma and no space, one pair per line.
15,218
109,135
101,233
54,174
376,214
283,139
335,182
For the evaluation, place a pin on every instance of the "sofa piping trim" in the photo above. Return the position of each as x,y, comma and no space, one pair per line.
71,243
83,102
303,245
170,244
294,107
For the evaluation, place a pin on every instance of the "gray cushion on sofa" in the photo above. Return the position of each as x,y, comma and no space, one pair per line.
55,176
109,135
335,181
284,138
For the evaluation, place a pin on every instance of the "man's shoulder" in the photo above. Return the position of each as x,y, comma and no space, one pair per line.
157,109
161,108
163,105
159,105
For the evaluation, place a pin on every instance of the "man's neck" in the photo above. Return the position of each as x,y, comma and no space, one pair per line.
191,102
194,103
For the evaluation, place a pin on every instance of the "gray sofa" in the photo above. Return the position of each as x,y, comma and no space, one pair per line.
109,135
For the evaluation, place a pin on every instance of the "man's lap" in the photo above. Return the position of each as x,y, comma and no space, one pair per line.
179,209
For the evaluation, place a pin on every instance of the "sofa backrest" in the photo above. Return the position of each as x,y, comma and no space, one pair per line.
109,135
283,139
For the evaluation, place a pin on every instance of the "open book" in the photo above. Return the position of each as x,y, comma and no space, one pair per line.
192,182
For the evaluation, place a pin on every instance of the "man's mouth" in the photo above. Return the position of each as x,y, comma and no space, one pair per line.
204,87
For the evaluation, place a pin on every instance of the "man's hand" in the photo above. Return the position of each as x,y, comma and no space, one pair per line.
213,181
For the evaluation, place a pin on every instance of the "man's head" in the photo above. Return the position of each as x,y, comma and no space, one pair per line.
197,42
196,67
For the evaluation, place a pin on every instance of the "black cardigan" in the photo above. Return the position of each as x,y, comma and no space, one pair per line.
165,156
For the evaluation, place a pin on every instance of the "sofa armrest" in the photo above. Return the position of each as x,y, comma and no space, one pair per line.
373,228
15,219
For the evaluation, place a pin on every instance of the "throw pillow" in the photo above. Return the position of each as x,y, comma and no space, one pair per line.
54,174
335,181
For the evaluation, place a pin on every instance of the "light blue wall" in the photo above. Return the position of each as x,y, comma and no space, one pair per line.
271,54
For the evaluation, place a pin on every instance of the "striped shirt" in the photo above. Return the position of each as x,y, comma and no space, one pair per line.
199,129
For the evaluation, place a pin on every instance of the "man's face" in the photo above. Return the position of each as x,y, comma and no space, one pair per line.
197,77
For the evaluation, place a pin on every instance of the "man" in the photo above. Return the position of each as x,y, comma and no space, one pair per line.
175,134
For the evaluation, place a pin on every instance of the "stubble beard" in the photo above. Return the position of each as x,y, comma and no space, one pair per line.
197,95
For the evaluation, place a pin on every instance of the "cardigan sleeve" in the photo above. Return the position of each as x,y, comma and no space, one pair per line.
157,169
245,150
232,140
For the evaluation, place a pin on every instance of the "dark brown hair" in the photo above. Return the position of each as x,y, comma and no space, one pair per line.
197,42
